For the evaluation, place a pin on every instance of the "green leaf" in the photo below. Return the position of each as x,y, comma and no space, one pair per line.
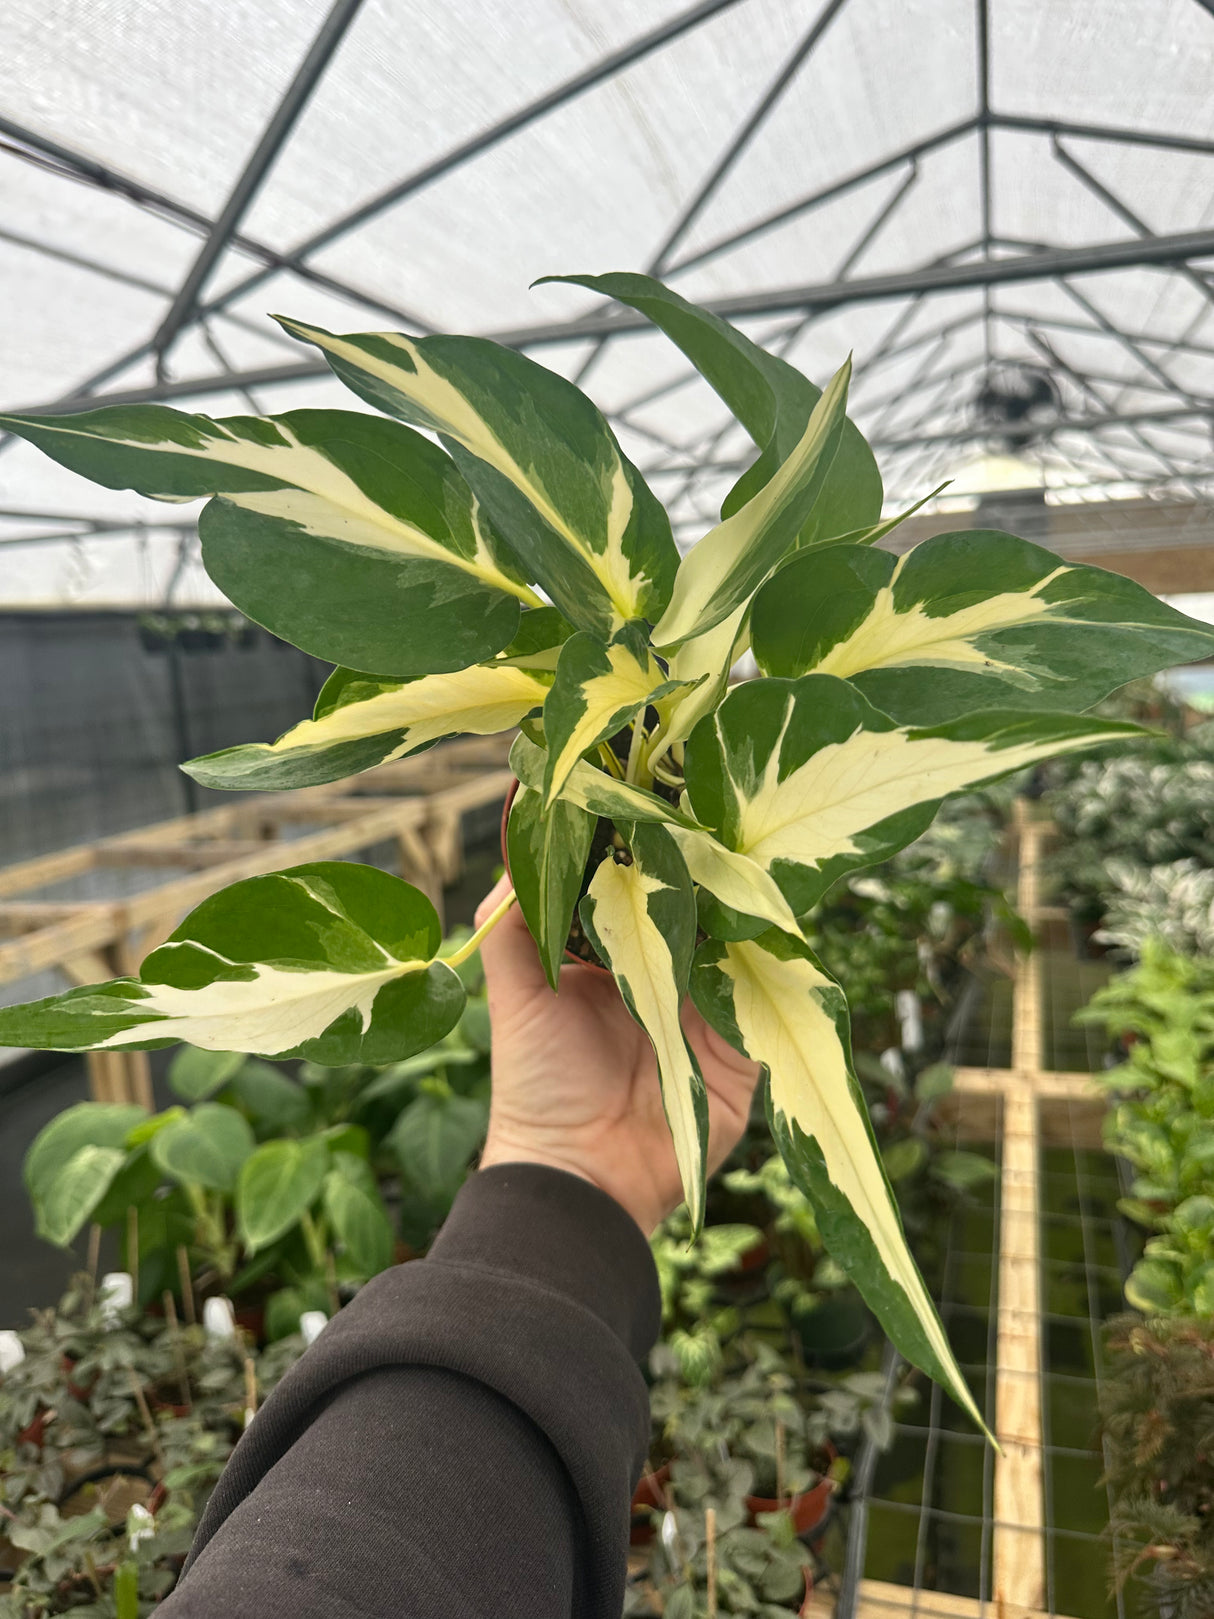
274,1101
87,1124
723,570
640,915
1154,1287
810,781
206,1148
194,1075
357,1214
362,721
538,454
964,622
435,1137
598,688
770,398
547,855
135,1184
350,536
278,1184
332,961
542,633
770,998
76,1191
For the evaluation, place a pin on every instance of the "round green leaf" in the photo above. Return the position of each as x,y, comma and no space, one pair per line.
194,1074
88,1124
206,1148
274,1101
359,1219
435,1137
278,1184
76,1190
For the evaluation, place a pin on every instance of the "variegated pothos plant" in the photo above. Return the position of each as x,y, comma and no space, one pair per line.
519,572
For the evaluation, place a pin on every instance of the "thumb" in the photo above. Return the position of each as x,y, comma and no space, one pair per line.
513,969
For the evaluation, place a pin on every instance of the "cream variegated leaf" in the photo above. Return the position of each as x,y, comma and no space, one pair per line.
599,687
809,781
966,621
333,962
575,510
771,999
640,915
334,529
734,879
723,570
361,722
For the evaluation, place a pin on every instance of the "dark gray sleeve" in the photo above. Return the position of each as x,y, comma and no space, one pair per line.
462,1441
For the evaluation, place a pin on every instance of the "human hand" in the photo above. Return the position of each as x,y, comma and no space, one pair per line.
575,1082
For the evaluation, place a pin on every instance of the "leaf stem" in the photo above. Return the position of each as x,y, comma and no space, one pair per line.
634,748
472,945
609,759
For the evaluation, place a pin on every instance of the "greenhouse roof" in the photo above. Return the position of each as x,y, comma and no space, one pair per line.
1005,208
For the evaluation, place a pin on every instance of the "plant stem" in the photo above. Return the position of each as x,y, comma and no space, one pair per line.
472,945
313,1240
634,748
610,760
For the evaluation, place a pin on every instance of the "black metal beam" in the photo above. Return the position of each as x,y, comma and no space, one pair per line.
330,35
565,92
1104,132
983,41
1074,424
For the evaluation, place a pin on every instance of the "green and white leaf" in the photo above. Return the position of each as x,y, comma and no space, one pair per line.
702,666
598,688
641,918
548,854
540,456
361,721
771,999
721,870
770,398
966,621
723,570
350,536
334,962
809,780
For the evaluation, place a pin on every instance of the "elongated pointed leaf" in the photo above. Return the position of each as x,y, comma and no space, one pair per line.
641,918
278,1185
732,877
548,854
703,664
574,509
810,780
350,536
333,962
362,721
724,569
966,621
771,999
598,688
769,397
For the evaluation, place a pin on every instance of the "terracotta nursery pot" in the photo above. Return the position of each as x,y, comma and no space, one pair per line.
807,1509
569,955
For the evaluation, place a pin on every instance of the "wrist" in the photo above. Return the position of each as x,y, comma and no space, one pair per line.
500,1149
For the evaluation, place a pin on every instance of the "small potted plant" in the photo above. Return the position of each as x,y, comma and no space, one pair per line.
520,572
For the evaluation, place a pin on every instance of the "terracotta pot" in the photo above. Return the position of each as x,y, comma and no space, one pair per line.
806,1509
569,955
650,1492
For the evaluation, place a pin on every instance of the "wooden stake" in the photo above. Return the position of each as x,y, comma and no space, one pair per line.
710,1553
187,1287
250,1390
183,1376
94,1260
146,1414
132,1249
780,1463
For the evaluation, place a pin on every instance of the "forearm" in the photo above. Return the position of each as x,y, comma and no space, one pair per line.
463,1438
